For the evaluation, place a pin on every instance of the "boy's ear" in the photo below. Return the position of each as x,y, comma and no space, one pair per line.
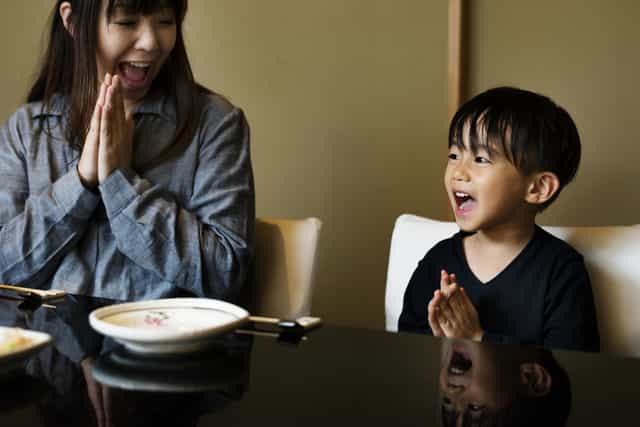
65,14
542,187
536,379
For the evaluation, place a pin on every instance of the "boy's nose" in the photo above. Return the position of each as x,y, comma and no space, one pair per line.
460,173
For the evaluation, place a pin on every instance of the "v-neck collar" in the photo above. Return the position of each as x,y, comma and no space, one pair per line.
459,247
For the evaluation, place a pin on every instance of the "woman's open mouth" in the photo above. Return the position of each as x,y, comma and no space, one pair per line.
134,73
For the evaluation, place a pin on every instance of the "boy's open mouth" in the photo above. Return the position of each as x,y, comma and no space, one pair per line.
134,72
464,201
459,364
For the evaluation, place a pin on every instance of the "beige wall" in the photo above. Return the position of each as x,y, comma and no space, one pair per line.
21,28
584,54
347,103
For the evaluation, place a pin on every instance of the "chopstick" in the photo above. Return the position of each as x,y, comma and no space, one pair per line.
304,322
43,294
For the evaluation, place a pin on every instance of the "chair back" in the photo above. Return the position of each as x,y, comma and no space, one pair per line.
284,267
611,254
412,238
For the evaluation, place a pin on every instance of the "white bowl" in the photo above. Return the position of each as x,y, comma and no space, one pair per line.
174,325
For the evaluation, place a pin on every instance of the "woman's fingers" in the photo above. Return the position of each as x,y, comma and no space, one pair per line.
103,92
88,163
106,119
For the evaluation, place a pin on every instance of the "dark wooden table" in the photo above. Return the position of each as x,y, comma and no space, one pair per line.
333,376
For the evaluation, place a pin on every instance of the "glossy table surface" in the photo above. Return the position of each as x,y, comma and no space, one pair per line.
331,376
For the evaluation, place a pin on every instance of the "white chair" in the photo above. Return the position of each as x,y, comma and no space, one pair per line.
612,257
284,267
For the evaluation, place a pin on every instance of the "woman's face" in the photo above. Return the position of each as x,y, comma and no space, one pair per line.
134,46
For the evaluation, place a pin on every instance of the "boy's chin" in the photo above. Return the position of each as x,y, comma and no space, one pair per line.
466,225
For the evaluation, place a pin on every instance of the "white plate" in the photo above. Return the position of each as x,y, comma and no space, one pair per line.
30,342
174,325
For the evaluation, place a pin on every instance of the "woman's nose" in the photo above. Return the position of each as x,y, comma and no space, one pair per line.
147,37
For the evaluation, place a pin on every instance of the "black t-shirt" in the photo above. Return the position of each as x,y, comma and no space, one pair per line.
542,297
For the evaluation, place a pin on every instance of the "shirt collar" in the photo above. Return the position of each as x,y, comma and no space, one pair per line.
158,104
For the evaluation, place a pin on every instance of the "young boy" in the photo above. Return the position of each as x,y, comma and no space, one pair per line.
502,278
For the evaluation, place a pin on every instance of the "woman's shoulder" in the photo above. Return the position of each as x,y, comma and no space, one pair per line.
27,119
30,111
216,106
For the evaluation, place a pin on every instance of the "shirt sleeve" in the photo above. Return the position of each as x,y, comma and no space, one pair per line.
36,230
416,299
570,314
205,250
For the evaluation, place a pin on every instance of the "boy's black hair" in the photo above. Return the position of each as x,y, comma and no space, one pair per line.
532,131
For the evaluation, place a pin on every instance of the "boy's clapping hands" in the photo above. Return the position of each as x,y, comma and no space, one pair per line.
450,312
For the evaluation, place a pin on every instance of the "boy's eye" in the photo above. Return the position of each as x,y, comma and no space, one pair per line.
452,156
475,408
482,160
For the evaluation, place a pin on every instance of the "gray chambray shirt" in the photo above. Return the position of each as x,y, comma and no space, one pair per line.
185,225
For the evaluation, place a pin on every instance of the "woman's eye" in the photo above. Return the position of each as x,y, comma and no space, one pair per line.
126,22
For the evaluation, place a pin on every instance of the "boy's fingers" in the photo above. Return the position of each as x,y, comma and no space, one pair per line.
434,324
456,298
446,312
464,298
444,283
432,315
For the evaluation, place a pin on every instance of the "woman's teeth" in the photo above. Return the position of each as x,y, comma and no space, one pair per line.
135,71
139,64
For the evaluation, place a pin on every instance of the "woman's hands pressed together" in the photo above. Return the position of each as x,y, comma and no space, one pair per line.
450,312
109,142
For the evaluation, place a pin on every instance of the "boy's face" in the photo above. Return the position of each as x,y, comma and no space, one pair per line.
476,378
485,190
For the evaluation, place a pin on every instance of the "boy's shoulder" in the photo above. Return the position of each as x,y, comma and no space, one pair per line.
445,247
554,245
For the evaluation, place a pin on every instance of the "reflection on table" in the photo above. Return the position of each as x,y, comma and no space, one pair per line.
481,384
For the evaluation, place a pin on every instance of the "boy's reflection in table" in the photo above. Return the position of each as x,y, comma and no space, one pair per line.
485,385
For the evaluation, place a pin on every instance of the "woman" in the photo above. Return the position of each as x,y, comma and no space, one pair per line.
122,177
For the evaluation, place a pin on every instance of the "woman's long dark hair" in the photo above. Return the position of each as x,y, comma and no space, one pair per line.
68,68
